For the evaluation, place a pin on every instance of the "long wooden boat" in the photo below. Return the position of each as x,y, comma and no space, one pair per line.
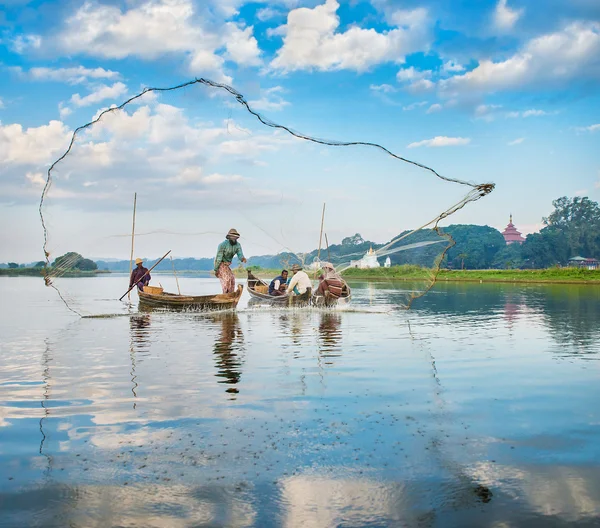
259,290
173,301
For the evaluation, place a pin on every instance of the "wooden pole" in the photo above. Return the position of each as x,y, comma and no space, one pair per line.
137,281
132,239
328,253
175,273
321,235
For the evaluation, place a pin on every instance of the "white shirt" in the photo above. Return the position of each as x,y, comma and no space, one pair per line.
301,280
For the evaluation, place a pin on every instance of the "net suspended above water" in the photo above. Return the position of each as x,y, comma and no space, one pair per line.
475,191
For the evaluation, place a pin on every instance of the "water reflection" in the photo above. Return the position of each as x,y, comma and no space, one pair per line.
228,350
330,335
139,332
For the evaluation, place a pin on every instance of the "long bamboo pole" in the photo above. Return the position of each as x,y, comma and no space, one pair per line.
137,281
328,253
132,239
175,273
320,236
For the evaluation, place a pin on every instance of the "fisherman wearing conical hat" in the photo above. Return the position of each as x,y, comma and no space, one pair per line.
139,272
225,253
300,281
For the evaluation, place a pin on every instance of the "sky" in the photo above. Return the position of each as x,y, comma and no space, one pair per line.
502,91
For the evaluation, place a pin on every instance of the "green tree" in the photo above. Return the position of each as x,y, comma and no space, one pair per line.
509,257
68,260
12,265
578,219
39,264
86,265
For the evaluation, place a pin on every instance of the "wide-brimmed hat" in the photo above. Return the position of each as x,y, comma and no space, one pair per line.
296,267
327,265
233,233
139,261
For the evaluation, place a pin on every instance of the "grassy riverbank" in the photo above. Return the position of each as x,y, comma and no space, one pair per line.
550,275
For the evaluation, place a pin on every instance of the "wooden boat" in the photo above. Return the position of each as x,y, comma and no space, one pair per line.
259,290
154,297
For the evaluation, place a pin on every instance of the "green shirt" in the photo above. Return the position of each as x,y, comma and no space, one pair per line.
225,253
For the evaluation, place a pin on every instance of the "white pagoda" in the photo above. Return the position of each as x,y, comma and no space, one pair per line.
368,261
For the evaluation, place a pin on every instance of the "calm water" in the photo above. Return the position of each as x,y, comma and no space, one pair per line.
478,407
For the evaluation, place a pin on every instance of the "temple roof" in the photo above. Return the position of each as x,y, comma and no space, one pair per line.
511,234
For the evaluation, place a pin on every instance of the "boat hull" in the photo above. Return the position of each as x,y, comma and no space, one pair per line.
254,283
172,301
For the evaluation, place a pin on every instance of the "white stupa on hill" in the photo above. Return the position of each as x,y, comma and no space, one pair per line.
368,261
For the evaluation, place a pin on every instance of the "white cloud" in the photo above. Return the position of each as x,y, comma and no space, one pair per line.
528,113
267,13
412,106
420,86
190,176
487,112
505,17
1,104
383,88
441,141
434,108
591,128
411,74
517,141
74,75
25,43
555,59
311,40
154,28
271,100
31,146
581,192
102,93
64,111
36,178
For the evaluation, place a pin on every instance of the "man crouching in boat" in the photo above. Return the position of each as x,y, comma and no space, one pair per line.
225,253
300,281
139,272
330,283
278,284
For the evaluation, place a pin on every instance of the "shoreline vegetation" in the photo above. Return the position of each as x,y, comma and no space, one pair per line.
39,272
417,273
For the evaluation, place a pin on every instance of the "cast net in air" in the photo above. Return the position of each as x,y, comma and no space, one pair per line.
266,178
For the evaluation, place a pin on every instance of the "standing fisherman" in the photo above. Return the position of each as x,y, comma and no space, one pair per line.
225,253
138,273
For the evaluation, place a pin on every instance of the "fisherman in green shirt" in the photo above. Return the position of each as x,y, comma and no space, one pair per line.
225,253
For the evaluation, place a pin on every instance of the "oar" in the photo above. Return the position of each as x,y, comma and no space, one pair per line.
137,281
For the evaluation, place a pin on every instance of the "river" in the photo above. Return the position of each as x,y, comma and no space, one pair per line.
478,407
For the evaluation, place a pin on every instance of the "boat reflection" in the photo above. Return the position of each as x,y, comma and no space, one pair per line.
139,341
228,350
330,335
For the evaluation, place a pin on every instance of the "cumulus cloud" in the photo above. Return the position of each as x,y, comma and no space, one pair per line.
441,141
487,112
35,145
412,106
154,28
73,75
434,108
25,43
157,145
102,93
311,40
514,142
555,59
505,17
382,88
452,67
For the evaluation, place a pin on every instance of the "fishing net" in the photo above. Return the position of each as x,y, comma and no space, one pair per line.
275,179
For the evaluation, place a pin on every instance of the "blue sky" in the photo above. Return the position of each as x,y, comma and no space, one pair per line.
501,90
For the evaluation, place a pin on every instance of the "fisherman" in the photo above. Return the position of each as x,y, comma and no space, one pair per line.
300,281
225,253
278,284
139,272
330,282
